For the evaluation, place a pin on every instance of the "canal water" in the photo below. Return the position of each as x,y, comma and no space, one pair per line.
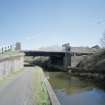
72,90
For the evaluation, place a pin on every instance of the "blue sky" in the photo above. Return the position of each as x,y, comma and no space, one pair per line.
38,23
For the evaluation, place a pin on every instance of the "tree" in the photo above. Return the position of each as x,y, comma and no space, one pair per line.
102,41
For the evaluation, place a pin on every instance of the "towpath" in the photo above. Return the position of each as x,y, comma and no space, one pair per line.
18,91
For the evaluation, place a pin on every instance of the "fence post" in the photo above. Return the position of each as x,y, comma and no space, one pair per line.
2,50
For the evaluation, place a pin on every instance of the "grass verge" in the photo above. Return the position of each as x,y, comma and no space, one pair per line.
39,88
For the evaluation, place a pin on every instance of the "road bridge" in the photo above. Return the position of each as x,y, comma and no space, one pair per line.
44,53
60,58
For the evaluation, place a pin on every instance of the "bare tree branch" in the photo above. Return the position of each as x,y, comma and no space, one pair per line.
102,40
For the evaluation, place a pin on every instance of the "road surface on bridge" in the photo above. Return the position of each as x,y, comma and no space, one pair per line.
18,91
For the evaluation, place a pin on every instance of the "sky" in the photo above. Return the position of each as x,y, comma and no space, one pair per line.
42,23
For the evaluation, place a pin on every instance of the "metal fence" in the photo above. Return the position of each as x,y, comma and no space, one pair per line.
7,49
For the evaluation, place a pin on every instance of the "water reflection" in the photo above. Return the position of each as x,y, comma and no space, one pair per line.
76,91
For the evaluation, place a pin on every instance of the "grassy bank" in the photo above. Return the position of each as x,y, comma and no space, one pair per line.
39,88
94,62
94,66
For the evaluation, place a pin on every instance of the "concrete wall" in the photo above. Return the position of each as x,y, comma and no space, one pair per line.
10,64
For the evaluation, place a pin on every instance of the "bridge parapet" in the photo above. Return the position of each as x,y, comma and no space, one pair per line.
10,48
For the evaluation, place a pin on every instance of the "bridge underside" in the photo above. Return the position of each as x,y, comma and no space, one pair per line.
56,58
43,53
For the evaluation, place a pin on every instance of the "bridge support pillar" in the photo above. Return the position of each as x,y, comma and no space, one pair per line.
67,57
67,60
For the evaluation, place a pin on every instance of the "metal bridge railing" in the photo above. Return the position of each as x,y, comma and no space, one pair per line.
8,48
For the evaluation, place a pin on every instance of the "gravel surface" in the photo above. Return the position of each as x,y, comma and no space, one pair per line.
18,91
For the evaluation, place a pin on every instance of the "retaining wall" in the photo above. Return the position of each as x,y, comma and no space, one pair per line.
11,63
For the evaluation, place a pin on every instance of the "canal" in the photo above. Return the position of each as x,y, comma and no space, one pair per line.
72,90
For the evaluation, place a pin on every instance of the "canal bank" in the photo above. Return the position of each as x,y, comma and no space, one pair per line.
71,90
43,92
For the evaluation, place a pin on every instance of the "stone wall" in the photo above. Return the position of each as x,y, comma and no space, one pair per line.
10,64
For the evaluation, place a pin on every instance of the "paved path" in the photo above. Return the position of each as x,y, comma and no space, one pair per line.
18,91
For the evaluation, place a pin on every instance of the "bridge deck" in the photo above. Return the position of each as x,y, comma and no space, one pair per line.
43,53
